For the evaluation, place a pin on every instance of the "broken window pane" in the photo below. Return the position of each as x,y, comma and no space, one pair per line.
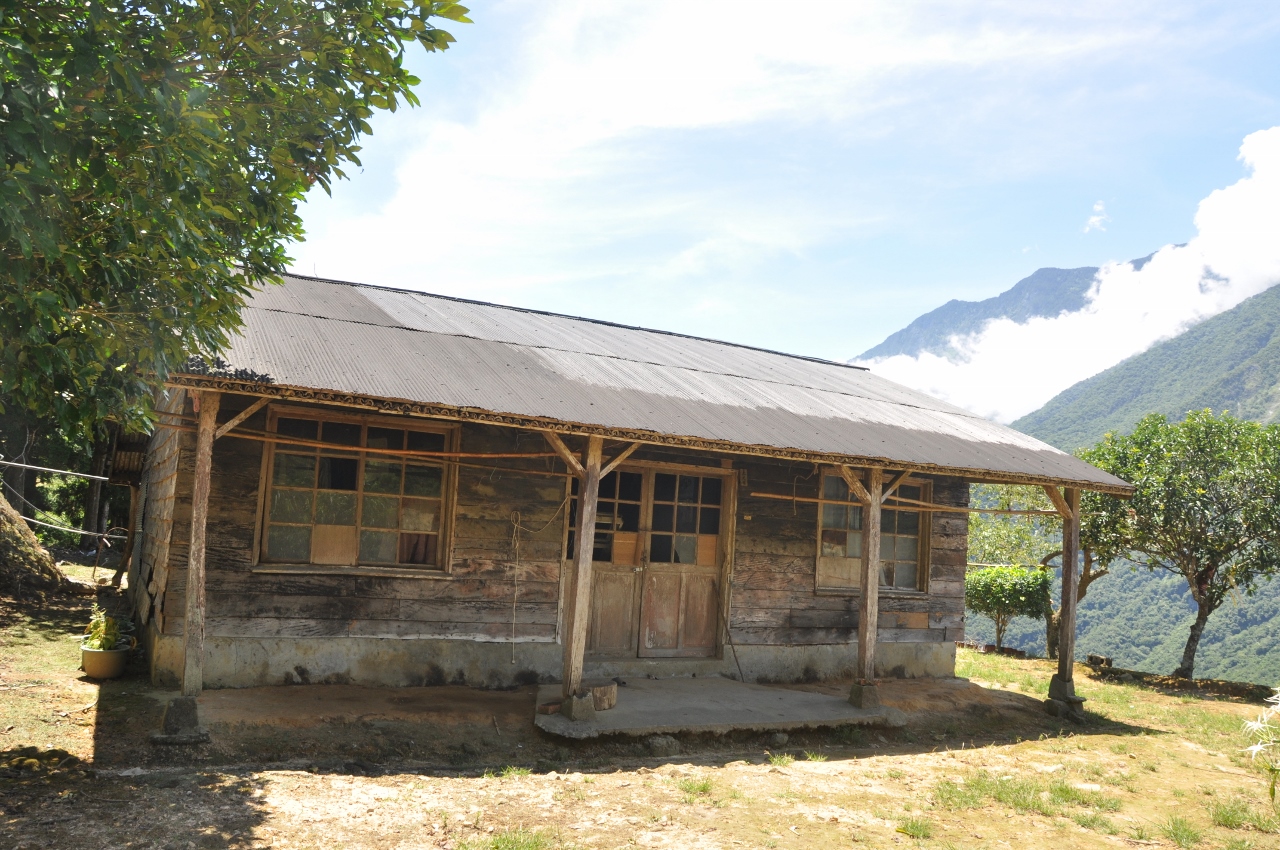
630,486
304,429
664,518
424,441
629,517
711,491
384,438
664,487
609,486
337,473
709,521
686,549
660,548
342,433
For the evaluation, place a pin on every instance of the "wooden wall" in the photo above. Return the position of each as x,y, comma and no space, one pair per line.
774,572
475,601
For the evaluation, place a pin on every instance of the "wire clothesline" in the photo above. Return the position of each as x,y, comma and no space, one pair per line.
57,471
25,501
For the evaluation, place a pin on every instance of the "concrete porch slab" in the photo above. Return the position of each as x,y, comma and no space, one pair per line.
711,704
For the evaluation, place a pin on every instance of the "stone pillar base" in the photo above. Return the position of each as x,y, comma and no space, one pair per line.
181,724
864,695
580,706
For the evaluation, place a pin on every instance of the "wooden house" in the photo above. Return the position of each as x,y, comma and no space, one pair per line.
390,488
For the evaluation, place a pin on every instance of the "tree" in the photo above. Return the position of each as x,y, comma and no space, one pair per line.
1206,506
1003,593
154,153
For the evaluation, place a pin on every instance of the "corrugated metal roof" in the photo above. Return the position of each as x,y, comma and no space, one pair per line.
428,349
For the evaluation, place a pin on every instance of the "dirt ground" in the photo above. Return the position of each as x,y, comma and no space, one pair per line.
978,765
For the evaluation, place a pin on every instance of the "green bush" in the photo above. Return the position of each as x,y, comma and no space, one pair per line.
1003,593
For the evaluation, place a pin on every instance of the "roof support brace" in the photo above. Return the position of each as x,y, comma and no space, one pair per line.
193,627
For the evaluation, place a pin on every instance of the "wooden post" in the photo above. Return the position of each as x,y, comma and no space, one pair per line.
193,631
1070,578
869,603
579,595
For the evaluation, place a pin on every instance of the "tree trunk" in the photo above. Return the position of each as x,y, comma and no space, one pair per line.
93,498
24,564
1051,636
1187,667
1001,625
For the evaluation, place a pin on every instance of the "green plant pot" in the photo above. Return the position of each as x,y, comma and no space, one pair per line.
103,663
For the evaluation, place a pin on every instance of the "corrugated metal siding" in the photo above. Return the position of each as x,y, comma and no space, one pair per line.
422,348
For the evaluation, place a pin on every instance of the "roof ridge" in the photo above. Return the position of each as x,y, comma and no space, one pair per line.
603,322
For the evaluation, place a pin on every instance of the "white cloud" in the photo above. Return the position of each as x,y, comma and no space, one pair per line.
1099,219
1010,369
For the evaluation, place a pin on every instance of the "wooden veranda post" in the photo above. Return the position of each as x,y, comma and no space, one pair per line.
579,595
1070,578
869,603
193,631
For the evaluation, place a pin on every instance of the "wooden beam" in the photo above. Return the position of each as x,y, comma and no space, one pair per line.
579,595
855,485
240,417
1070,579
613,464
869,601
567,456
1055,496
193,630
897,479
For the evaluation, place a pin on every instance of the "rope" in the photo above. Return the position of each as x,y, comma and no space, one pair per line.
57,471
516,528
11,488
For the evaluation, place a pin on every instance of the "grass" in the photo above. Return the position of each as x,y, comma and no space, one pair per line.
1236,813
781,759
1095,822
695,788
918,828
511,839
810,755
1181,832
1022,794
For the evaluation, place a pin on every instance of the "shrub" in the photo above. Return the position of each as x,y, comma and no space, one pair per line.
1003,593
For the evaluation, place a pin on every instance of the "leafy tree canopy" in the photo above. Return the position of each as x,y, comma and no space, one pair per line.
1206,506
154,153
1003,593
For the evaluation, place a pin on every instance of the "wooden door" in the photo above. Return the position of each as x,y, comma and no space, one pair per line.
616,556
680,603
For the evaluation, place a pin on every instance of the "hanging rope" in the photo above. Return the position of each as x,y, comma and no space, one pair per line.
35,509
516,528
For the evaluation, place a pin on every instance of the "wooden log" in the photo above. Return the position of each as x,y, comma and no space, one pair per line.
1070,553
193,633
579,596
869,607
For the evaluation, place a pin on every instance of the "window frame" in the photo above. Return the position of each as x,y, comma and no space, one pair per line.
448,492
923,544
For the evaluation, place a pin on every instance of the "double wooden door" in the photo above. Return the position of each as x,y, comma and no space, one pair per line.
657,556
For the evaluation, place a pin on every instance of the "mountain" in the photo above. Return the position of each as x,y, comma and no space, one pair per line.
1046,292
1228,362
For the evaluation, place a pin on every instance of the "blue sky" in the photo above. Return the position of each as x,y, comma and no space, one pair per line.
805,177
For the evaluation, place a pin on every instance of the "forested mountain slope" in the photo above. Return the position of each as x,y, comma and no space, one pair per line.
1228,362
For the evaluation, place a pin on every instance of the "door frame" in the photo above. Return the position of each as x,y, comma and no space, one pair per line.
724,572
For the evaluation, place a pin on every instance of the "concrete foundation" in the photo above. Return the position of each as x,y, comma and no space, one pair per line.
383,662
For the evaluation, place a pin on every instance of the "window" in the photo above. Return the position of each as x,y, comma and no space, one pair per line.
684,518
840,526
346,507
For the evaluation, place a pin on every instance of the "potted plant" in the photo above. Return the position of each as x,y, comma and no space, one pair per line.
104,649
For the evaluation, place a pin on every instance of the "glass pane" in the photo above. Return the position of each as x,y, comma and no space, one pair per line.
423,441
855,544
603,550
835,516
905,548
709,521
833,487
609,486
855,517
630,486
382,476
904,576
422,480
295,471
908,522
378,547
289,543
711,491
687,519
384,438
886,574
909,492
337,473
686,549
664,487
291,506
689,488
420,515
660,548
834,544
335,508
305,429
342,433
419,549
380,512
888,522
629,517
664,518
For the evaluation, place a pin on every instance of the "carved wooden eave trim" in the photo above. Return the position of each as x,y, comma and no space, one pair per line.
284,392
